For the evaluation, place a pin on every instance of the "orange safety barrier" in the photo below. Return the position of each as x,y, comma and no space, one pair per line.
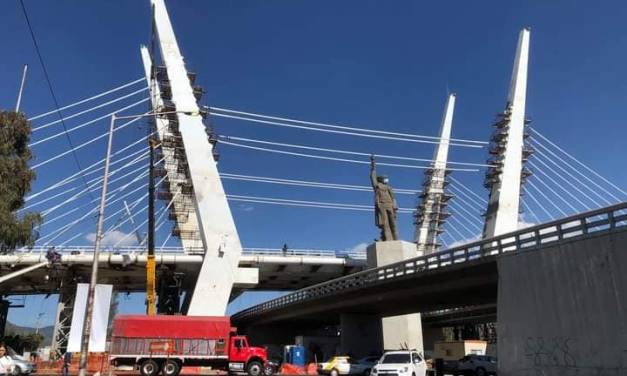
290,369
96,362
312,369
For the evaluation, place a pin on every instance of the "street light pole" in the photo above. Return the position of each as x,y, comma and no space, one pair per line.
82,366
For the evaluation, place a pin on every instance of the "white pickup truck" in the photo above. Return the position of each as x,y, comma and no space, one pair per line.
400,363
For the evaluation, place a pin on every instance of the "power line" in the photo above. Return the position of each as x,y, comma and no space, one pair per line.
54,97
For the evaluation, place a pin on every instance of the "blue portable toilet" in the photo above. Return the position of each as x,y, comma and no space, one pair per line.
295,355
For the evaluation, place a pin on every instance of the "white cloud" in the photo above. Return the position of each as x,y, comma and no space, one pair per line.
113,237
523,224
246,208
359,248
464,241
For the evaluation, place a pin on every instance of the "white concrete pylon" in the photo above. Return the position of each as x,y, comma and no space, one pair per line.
431,213
188,224
504,179
219,236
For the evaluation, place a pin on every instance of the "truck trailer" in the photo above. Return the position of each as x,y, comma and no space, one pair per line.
164,344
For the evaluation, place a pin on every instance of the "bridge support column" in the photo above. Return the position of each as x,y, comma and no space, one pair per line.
404,330
63,320
561,309
361,334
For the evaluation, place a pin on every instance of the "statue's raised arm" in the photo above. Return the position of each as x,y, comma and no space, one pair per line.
373,172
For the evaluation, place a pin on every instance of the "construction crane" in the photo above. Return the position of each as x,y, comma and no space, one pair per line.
151,268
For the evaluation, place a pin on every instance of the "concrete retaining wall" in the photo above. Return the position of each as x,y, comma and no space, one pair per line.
562,311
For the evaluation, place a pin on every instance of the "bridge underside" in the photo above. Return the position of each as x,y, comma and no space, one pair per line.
128,272
471,284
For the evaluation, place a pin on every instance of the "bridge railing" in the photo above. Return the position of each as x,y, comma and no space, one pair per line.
583,224
199,250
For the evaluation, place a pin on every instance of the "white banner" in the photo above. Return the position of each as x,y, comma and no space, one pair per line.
99,320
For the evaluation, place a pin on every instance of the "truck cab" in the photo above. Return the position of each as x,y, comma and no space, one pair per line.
246,359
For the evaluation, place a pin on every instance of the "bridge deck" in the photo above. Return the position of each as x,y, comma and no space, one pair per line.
125,268
461,276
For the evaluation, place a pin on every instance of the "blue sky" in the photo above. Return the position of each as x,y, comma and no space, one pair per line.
371,64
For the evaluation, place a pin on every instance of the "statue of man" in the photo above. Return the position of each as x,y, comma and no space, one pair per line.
385,205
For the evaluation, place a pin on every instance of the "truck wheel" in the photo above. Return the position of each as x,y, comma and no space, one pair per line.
334,372
481,372
171,368
149,368
268,370
254,368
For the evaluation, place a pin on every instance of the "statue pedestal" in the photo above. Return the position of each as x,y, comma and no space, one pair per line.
389,252
404,330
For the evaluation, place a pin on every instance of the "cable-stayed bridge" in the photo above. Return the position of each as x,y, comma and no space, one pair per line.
532,181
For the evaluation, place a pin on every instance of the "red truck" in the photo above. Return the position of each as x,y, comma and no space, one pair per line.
166,343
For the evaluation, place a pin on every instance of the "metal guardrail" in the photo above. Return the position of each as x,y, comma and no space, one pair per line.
595,221
194,251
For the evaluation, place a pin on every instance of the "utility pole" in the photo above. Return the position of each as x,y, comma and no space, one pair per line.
150,262
19,94
89,310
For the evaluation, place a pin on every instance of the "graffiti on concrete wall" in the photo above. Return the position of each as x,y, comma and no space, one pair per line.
559,356
553,352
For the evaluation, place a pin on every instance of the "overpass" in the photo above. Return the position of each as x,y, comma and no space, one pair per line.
125,268
467,275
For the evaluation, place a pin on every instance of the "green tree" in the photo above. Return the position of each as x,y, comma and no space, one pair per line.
28,342
15,181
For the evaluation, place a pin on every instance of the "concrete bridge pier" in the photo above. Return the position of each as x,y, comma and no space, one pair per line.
361,334
367,334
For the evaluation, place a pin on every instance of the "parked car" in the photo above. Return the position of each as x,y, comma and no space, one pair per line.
22,366
400,363
477,365
343,365
367,363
